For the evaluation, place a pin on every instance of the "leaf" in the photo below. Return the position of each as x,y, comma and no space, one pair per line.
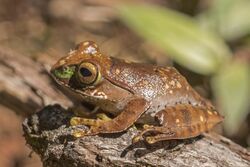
229,18
178,35
231,87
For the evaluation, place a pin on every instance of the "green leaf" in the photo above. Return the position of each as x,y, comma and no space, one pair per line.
178,35
231,87
229,18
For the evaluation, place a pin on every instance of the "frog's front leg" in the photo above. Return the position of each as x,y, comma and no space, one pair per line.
74,121
131,112
89,122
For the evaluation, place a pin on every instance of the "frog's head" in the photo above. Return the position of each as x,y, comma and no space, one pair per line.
84,70
82,67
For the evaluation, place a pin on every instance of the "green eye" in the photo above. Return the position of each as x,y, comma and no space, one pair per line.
88,74
64,73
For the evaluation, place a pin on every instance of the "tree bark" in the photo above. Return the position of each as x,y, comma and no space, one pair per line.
49,134
27,87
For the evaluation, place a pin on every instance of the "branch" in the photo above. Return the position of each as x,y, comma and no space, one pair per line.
49,134
25,85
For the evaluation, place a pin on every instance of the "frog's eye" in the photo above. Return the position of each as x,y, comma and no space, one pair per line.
89,74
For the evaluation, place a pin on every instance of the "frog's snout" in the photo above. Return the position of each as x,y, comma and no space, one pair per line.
62,72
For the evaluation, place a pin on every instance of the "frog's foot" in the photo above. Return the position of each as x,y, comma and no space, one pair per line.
159,137
74,121
162,133
140,136
82,133
103,117
79,133
95,124
94,130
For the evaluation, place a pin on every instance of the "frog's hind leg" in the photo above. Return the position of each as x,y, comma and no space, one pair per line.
146,129
166,133
180,122
153,134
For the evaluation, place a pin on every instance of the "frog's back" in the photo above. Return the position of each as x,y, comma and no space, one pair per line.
154,82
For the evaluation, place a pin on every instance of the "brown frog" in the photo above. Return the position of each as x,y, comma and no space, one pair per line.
158,97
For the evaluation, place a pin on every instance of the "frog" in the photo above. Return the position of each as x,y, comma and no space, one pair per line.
159,98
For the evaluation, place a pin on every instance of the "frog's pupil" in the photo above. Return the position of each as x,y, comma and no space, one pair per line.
85,72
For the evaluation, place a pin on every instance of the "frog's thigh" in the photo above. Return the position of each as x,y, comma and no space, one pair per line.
179,122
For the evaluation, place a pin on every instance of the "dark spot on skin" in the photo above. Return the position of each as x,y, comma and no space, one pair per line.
74,83
190,129
89,106
85,72
187,117
173,113
113,64
206,117
198,127
203,103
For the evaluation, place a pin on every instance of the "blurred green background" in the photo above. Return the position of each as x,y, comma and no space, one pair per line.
207,41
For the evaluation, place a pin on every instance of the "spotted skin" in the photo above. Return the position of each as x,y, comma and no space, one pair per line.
134,93
180,122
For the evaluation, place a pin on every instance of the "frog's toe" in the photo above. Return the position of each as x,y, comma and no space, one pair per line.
103,117
74,121
137,139
146,126
150,140
79,133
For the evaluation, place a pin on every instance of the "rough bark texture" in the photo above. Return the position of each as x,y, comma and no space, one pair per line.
49,134
26,87
24,84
